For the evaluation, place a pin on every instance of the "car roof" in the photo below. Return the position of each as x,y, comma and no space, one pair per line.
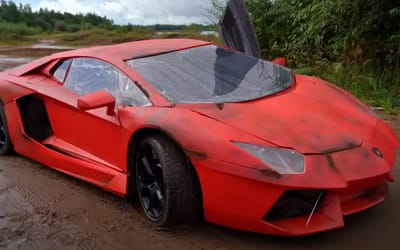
117,52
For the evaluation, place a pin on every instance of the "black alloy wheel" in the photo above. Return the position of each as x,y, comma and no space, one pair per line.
150,183
167,186
2,134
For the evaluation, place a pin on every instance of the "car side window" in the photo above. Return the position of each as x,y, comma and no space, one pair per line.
89,75
61,70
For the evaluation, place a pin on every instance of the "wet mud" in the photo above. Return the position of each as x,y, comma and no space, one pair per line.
43,209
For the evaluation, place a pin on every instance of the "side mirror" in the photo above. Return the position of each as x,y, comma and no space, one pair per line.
280,61
97,100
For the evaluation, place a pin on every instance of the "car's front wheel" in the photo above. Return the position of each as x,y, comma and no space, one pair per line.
165,184
5,142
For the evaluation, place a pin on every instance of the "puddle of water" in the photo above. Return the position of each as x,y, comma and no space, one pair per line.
4,58
48,46
7,62
14,56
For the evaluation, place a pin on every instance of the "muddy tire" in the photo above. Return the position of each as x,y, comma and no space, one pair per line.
166,185
6,146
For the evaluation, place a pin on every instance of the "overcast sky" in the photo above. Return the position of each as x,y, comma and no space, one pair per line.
134,11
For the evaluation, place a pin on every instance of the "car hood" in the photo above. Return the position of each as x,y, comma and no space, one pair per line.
314,117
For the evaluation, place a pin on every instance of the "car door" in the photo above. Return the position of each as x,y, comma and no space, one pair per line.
237,31
93,135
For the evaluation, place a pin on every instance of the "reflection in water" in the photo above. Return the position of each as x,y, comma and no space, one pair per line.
7,62
14,56
50,47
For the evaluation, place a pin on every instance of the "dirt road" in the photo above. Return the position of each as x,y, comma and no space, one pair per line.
43,209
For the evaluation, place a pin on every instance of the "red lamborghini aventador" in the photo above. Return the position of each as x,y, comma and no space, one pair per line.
195,129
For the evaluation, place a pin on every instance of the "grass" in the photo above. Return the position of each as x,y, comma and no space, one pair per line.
375,86
16,33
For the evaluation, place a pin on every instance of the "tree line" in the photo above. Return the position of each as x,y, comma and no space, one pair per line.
20,20
49,20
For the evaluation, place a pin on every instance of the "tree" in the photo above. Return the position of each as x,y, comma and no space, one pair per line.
215,12
310,30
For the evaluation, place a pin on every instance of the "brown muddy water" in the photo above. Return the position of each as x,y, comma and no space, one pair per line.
43,209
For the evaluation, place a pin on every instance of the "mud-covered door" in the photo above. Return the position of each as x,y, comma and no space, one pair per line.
237,31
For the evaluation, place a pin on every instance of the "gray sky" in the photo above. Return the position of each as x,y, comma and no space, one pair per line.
134,11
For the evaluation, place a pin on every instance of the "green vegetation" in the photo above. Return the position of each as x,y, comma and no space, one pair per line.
355,44
45,20
19,24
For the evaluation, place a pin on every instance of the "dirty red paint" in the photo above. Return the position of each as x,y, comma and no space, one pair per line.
334,131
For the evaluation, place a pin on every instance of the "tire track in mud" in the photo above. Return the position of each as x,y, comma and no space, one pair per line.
55,226
40,224
71,213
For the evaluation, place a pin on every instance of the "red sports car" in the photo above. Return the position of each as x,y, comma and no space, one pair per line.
195,129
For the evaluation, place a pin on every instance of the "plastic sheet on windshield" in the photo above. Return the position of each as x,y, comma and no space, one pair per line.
88,75
210,74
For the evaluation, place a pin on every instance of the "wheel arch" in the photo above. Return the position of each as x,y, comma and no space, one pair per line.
10,91
137,136
6,146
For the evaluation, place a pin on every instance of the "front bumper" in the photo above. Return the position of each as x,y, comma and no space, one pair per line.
334,205
240,198
352,180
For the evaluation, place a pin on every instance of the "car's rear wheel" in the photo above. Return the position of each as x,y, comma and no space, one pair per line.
165,184
5,142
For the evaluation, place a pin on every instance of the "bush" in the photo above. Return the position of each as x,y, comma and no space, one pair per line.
18,29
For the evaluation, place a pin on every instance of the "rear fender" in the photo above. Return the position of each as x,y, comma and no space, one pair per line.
9,92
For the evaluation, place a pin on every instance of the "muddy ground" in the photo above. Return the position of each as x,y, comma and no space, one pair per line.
43,209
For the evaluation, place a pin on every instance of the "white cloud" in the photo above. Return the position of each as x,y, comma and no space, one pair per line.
135,11
112,7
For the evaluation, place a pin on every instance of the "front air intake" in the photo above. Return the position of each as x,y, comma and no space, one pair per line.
295,203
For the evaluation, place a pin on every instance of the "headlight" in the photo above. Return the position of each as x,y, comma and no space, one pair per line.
284,161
